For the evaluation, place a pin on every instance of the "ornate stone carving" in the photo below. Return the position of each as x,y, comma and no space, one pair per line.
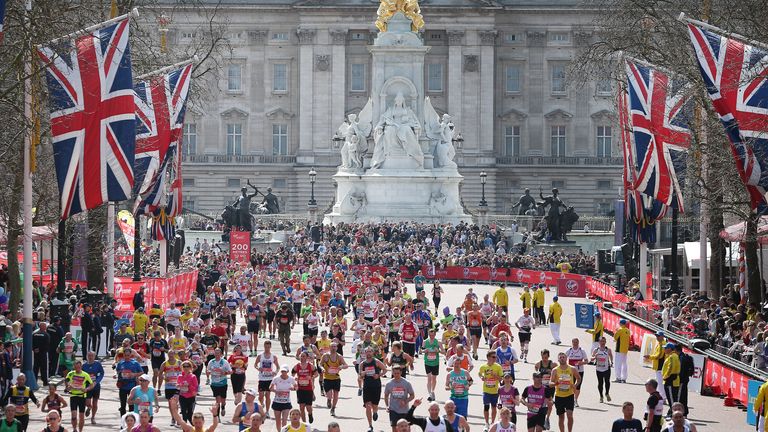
322,62
257,36
536,38
306,36
487,37
234,114
338,36
471,63
279,113
455,37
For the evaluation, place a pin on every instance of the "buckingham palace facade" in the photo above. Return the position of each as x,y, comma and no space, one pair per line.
298,67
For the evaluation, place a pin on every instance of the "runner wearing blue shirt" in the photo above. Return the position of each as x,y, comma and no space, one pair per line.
96,371
127,372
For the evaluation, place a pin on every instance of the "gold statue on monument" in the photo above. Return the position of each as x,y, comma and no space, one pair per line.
409,8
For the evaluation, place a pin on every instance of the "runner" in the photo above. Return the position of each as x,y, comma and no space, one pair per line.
525,324
305,373
603,359
144,399
282,385
535,398
78,384
509,397
169,373
332,363
54,422
267,364
505,422
400,358
409,332
577,357
432,349
96,371
475,320
398,395
296,424
53,401
217,371
245,409
253,324
370,371
434,423
506,355
285,321
187,384
239,363
458,382
457,421
565,378
20,395
157,349
490,374
128,370
654,407
545,366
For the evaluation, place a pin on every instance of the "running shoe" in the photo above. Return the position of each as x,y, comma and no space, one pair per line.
608,397
375,416
359,392
601,399
329,403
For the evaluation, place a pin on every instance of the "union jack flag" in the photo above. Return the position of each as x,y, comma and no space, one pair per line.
160,107
93,120
155,198
736,76
2,17
640,211
163,227
659,123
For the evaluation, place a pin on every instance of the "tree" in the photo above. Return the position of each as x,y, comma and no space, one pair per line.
649,30
51,19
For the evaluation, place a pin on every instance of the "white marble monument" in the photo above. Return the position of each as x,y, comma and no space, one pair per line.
397,156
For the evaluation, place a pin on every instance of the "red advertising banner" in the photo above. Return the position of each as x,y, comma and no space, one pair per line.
722,379
571,288
240,246
163,291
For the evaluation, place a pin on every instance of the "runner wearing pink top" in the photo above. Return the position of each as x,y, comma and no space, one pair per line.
187,384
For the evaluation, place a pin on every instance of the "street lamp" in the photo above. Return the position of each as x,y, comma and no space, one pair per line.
312,178
483,179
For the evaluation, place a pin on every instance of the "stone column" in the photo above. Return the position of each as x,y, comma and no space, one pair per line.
539,86
455,72
306,93
338,78
487,85
259,91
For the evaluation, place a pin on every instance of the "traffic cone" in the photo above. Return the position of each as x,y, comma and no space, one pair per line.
729,401
546,287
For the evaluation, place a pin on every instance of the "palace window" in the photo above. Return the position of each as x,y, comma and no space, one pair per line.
234,139
357,77
280,77
434,77
512,79
604,141
279,139
558,140
234,78
189,140
512,140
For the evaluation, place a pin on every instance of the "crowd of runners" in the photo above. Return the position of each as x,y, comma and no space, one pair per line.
361,320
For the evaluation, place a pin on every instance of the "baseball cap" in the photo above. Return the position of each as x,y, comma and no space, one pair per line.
660,333
669,345
144,377
597,313
251,392
622,321
283,368
555,298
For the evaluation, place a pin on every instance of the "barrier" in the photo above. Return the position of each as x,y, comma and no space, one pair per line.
719,375
163,291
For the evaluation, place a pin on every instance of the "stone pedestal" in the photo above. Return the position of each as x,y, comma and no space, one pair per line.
426,196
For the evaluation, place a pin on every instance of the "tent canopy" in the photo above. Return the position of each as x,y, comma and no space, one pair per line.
737,232
39,233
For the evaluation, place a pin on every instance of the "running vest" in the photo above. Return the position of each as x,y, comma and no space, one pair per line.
440,427
145,400
563,381
172,372
409,332
432,352
546,372
302,428
331,368
536,398
602,359
266,371
510,427
504,356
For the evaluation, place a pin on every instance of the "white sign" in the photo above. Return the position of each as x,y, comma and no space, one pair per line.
646,348
697,379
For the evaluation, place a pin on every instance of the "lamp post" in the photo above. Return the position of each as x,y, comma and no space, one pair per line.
483,179
312,178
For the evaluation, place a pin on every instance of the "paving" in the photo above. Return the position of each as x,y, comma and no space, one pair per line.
707,413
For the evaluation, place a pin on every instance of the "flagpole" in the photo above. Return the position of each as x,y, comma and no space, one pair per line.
111,249
160,71
685,19
27,215
91,29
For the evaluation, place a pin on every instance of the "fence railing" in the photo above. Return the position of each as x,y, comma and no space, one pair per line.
558,160
239,159
530,223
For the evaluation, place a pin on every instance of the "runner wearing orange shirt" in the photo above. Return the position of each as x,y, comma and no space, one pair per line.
475,324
